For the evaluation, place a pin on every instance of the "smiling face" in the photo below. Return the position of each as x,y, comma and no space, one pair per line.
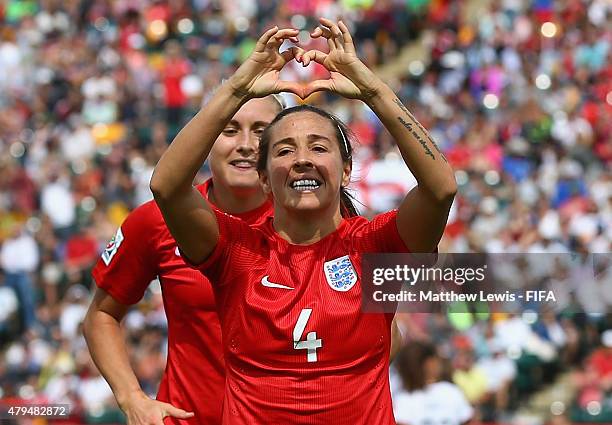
305,170
234,154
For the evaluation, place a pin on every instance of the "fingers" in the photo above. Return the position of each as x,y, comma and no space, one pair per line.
175,412
277,39
313,55
263,40
293,53
318,32
325,33
274,37
337,37
348,39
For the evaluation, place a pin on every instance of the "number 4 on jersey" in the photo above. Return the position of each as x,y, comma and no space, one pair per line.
312,343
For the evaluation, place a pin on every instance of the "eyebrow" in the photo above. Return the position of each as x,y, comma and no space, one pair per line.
255,124
291,140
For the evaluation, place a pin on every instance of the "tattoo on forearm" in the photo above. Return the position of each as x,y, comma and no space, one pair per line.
417,136
402,107
407,112
435,145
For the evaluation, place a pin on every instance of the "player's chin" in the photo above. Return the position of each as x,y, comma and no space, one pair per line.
306,202
243,179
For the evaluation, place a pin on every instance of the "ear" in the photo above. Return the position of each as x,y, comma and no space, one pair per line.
264,182
347,167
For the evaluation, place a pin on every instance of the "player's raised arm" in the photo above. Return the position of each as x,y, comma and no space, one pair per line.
423,214
187,214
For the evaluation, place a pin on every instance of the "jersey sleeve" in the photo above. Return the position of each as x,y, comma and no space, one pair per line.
237,249
129,262
380,235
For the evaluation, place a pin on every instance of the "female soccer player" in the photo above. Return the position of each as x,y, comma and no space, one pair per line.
297,347
143,249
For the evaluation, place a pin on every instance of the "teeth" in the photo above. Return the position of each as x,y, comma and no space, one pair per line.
243,163
305,184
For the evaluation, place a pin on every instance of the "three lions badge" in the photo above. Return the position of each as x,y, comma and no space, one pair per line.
340,274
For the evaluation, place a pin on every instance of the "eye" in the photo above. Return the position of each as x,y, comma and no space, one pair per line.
283,152
230,132
258,131
319,148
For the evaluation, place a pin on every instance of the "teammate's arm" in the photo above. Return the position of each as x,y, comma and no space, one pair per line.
187,214
423,214
106,344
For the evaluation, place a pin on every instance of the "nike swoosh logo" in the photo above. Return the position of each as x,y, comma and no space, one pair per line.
265,282
177,252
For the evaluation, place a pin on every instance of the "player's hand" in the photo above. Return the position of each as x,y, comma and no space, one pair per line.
259,75
142,410
349,77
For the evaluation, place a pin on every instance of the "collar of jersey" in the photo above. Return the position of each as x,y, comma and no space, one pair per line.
270,225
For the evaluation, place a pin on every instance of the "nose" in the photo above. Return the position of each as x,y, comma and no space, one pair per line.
302,159
247,144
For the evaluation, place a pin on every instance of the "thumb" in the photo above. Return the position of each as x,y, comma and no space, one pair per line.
291,87
317,85
175,412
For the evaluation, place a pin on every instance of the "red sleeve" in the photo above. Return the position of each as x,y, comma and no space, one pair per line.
380,235
239,245
129,262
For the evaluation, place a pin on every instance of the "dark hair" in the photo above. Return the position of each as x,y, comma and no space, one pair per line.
343,135
410,364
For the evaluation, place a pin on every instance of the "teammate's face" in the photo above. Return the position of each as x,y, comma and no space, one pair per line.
234,154
305,170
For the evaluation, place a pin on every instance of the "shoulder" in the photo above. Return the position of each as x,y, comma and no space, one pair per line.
147,211
356,222
375,223
235,232
144,226
377,235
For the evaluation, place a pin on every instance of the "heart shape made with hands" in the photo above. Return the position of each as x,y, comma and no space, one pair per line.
304,89
348,76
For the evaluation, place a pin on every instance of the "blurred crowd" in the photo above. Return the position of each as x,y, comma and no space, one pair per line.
491,366
517,94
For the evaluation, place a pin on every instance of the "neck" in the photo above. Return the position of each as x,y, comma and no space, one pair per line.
306,227
236,201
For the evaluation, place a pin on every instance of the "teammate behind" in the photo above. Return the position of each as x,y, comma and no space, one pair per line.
142,250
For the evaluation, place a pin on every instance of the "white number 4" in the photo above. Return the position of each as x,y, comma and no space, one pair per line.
312,343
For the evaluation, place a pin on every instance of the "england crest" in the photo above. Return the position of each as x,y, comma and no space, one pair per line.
340,274
112,247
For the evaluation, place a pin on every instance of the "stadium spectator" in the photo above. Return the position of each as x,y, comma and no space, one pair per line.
19,259
426,397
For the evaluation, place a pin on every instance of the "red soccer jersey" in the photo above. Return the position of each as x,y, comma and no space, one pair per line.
143,249
298,349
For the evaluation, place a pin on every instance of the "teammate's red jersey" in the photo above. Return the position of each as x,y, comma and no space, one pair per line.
298,349
144,249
